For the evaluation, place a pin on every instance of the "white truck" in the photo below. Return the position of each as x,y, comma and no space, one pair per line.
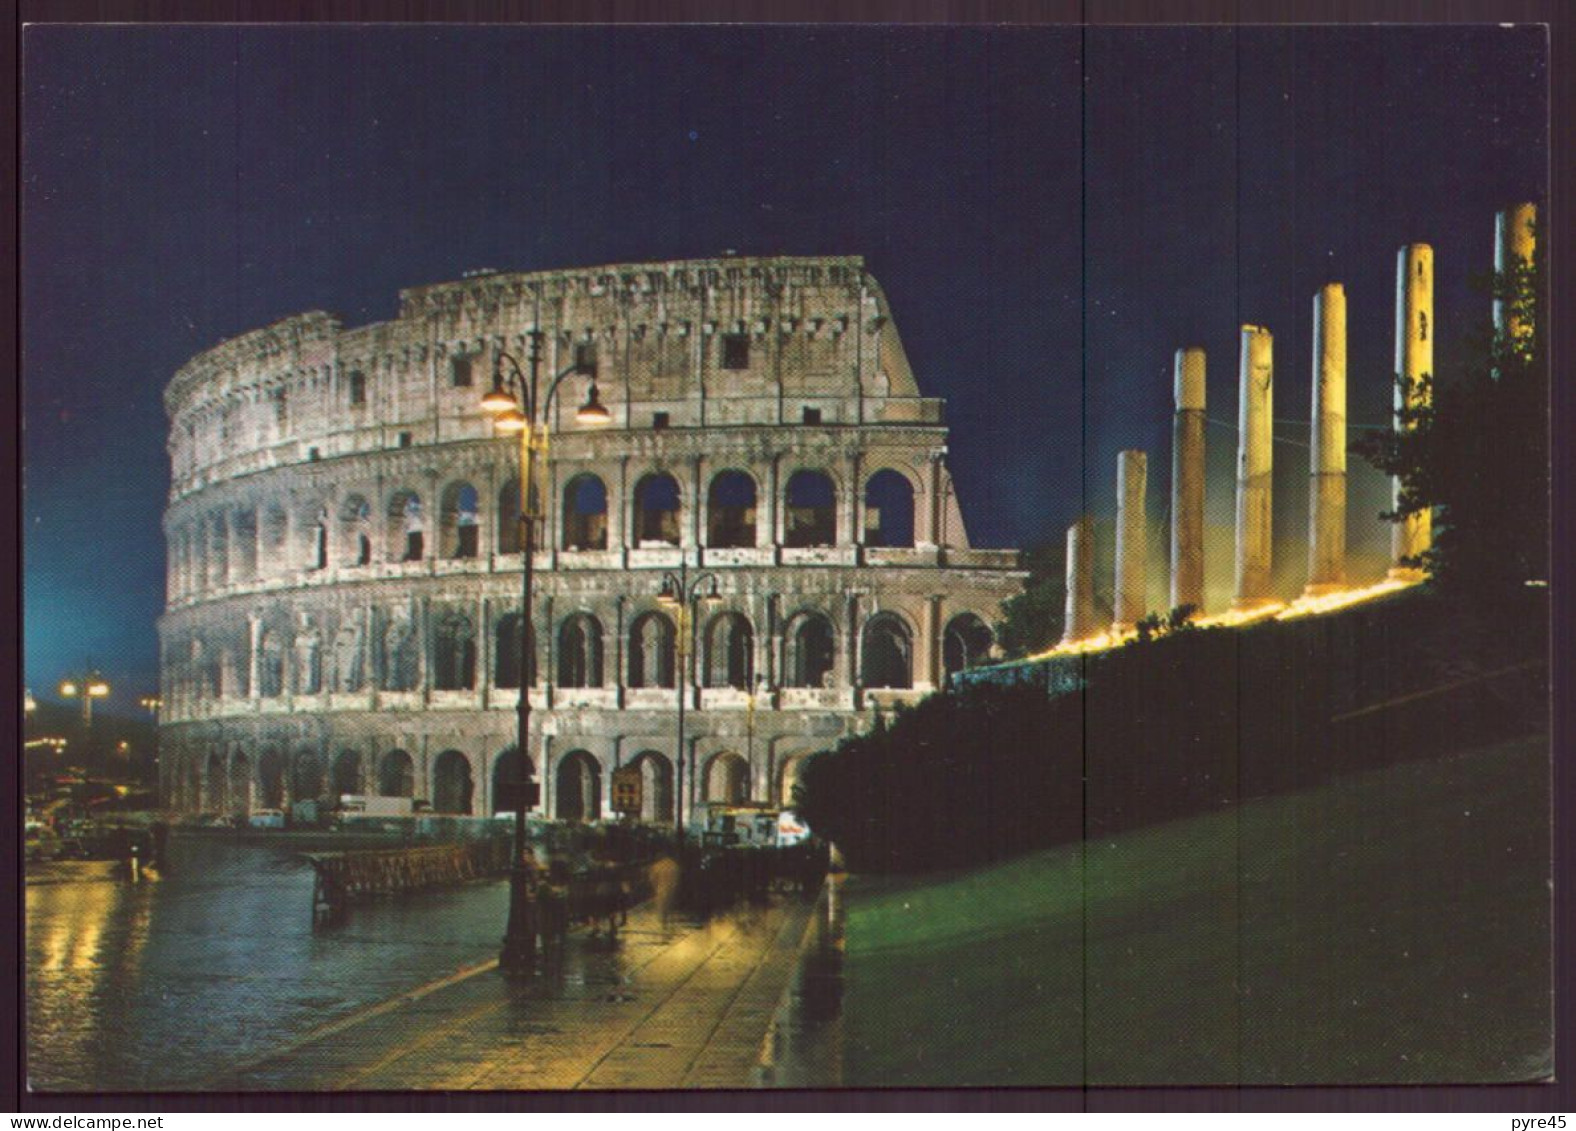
352,805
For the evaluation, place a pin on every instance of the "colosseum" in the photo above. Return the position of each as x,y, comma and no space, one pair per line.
344,534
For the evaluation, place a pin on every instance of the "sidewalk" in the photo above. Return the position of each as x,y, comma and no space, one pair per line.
685,1007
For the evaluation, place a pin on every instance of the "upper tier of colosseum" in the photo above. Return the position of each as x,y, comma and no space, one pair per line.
692,343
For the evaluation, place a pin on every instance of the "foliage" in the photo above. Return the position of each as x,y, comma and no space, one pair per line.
1032,620
1477,454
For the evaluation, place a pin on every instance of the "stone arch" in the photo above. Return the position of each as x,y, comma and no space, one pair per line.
731,510
658,505
810,509
459,518
401,659
788,777
509,517
355,531
727,779
240,782
346,774
809,650
405,535
508,768
577,794
889,509
309,663
349,662
506,653
886,652
271,651
452,787
652,639
453,652
216,782
275,537
307,779
243,527
580,651
193,790
396,775
271,780
584,514
967,641
730,651
656,786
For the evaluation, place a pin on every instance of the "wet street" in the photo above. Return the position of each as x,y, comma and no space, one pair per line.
212,977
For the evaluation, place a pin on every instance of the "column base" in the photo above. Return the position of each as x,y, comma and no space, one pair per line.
1324,588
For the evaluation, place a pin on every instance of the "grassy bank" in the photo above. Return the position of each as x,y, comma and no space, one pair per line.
1391,926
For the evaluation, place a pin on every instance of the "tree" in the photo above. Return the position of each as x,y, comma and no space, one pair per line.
1476,453
1032,620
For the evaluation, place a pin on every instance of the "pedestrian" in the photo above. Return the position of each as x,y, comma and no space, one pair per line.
664,875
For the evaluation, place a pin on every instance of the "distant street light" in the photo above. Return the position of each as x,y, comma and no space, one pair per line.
151,704
87,688
516,408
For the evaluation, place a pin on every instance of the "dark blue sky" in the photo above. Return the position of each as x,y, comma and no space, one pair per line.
1051,212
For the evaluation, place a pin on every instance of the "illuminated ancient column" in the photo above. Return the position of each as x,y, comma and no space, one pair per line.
1414,360
1132,549
1079,622
1327,457
1513,243
1187,482
1255,466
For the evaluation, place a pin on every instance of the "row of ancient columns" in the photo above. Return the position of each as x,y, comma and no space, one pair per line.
1412,536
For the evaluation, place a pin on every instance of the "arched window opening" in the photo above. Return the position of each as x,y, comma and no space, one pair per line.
790,778
401,661
651,651
730,647
967,642
309,665
809,647
578,792
811,512
451,783
349,673
320,542
509,518
453,652
271,780
506,656
240,784
728,780
245,534
887,653
347,774
656,787
460,515
355,519
271,665
276,533
730,510
407,534
580,652
657,511
216,797
307,781
396,775
889,510
509,769
585,513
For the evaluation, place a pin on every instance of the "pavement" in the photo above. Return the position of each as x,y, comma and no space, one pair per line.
686,1004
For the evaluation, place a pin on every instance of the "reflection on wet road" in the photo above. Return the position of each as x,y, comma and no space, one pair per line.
158,985
212,977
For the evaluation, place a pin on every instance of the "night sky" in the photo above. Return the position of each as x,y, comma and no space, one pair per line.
1050,211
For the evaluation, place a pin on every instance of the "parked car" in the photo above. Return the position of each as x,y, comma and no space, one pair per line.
267,819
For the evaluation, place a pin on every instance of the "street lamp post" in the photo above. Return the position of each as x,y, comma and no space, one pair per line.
87,688
683,593
516,407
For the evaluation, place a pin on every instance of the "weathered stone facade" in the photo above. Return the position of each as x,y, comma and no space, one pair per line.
344,546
